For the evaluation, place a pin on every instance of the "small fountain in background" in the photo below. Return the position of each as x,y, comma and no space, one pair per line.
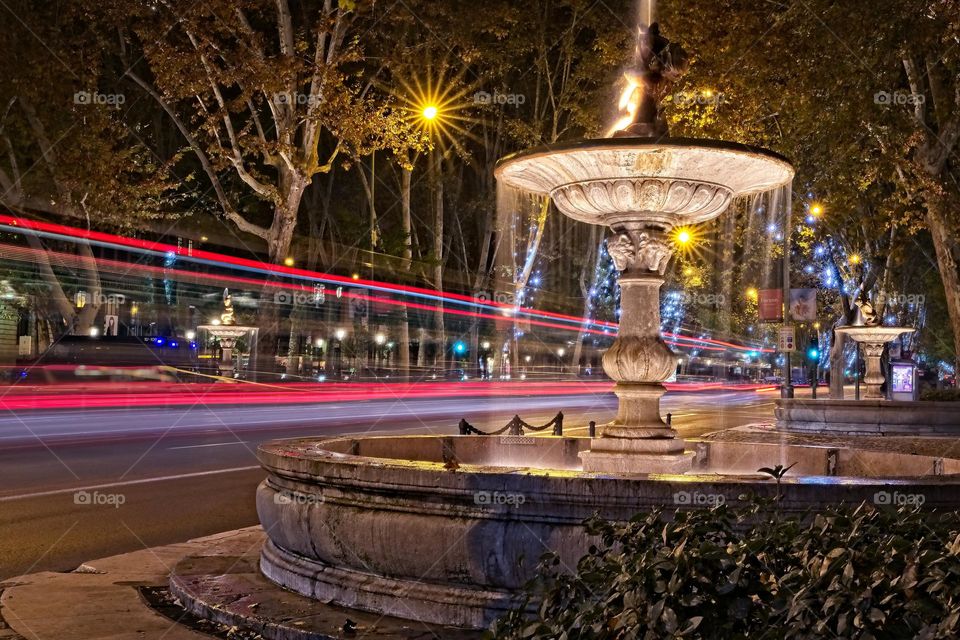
227,332
868,333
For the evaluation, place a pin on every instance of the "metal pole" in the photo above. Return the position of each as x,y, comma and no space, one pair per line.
856,376
787,390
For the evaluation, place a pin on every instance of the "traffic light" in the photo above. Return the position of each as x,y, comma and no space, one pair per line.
813,350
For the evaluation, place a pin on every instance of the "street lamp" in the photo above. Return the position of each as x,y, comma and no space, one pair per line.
429,112
380,339
340,334
683,236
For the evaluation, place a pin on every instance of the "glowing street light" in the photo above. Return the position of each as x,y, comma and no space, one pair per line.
683,236
854,259
816,209
752,293
380,338
340,334
561,352
430,112
288,261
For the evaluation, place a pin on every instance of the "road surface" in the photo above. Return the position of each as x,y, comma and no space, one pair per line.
81,484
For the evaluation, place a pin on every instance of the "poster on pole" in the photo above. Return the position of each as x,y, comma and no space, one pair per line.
787,342
803,305
770,305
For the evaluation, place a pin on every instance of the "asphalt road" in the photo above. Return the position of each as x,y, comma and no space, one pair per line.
158,476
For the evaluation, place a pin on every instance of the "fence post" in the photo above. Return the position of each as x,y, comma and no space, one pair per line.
515,428
464,427
669,418
592,429
558,424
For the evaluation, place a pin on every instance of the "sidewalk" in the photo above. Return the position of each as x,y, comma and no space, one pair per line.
216,576
99,599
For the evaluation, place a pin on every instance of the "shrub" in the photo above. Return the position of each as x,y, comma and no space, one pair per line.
864,572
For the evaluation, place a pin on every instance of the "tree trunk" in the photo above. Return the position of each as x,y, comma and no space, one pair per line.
943,244
269,313
407,222
439,329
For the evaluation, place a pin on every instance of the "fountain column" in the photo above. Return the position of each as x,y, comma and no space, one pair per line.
640,361
873,377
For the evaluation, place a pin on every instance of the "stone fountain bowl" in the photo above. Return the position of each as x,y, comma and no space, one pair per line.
383,524
684,180
874,334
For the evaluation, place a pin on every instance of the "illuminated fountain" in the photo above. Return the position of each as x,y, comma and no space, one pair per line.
867,332
642,184
227,333
872,414
432,528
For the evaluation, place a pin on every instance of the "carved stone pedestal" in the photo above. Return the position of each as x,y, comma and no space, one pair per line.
873,339
638,440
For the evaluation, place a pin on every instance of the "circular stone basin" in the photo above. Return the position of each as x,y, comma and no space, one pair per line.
683,180
874,334
433,528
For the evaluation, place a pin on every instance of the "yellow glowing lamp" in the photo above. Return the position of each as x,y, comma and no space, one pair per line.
816,210
288,262
752,293
430,112
854,258
683,237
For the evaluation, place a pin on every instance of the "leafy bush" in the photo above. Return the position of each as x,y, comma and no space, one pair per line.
864,572
941,395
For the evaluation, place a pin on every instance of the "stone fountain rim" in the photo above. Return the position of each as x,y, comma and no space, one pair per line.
590,144
370,468
880,331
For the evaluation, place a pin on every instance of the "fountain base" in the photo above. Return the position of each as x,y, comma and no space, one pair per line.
634,455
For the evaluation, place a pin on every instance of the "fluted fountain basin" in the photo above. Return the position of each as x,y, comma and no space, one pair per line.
681,180
878,335
391,525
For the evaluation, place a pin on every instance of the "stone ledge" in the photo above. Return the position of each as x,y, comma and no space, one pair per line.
868,417
225,585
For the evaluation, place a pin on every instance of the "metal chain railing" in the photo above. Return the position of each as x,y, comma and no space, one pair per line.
515,427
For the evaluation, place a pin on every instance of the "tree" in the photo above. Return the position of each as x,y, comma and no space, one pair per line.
67,150
867,103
